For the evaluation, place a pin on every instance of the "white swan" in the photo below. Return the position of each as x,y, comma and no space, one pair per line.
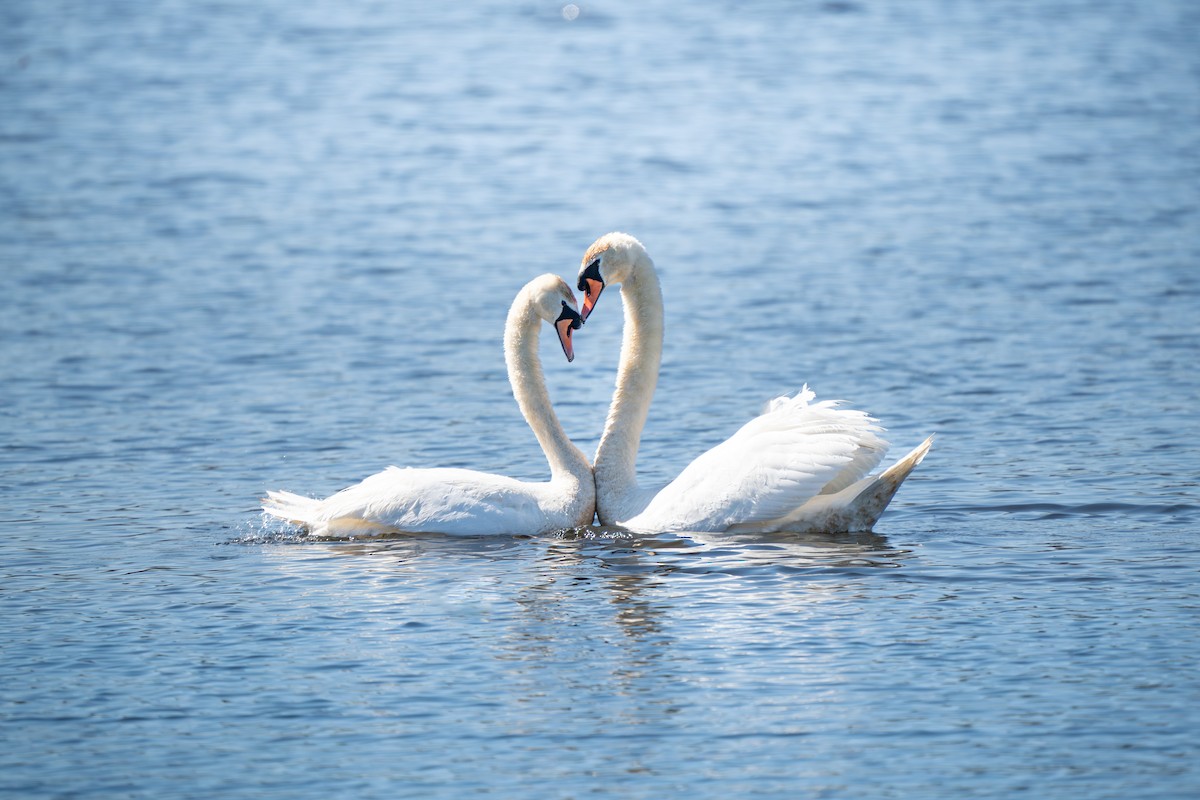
465,502
800,466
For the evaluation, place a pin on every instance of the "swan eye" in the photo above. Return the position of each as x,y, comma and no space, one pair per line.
592,272
571,314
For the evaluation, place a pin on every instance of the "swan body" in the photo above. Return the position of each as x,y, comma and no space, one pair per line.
465,502
799,466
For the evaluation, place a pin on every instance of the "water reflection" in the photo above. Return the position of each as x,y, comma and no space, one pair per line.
605,607
620,554
808,550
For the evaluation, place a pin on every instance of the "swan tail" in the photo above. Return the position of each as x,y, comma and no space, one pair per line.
868,504
294,508
852,510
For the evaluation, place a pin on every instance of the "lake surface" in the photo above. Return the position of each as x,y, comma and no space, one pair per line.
272,245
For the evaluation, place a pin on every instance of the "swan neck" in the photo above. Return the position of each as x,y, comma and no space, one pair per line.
529,388
637,376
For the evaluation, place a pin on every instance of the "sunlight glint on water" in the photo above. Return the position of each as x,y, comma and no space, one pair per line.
273,247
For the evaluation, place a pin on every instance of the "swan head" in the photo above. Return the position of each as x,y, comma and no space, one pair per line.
553,301
611,259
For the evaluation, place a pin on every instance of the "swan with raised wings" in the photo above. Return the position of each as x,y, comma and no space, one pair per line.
799,466
466,502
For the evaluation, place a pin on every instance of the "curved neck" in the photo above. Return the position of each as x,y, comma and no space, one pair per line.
637,375
529,388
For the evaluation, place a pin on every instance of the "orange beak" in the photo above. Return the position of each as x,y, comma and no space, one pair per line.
563,326
591,293
569,320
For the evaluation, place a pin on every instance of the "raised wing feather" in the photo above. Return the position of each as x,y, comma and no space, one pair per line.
775,463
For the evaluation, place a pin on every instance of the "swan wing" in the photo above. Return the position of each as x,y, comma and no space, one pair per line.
793,452
449,501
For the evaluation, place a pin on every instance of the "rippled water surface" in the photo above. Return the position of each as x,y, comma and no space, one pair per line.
271,245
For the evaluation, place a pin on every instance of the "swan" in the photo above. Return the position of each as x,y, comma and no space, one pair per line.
465,502
800,466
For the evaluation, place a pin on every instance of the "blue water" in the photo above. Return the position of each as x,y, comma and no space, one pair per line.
271,245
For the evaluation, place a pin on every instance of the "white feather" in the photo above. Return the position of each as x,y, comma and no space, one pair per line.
465,502
800,465
774,463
